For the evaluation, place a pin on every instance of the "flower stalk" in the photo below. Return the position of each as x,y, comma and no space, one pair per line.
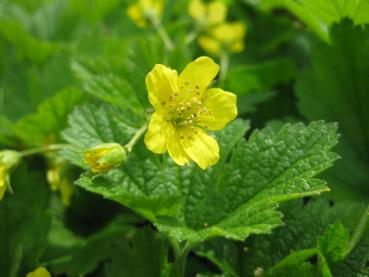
162,33
224,64
129,146
47,148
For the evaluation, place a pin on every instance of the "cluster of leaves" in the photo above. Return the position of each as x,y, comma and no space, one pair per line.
73,72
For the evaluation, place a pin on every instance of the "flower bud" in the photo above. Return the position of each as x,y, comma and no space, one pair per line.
105,156
59,176
39,272
8,160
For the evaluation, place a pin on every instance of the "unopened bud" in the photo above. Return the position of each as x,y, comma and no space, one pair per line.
8,160
105,156
39,272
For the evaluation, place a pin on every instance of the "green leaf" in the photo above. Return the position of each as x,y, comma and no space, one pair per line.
318,15
334,243
233,199
243,198
26,45
143,254
304,225
262,77
24,224
114,90
118,248
50,119
339,80
146,185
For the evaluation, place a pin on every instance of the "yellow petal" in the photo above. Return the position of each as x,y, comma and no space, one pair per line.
209,44
161,83
198,75
196,10
217,12
136,14
155,137
229,32
39,272
221,108
175,148
237,47
200,147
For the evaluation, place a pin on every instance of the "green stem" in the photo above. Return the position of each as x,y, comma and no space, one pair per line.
179,267
192,36
162,33
224,63
42,149
358,231
136,137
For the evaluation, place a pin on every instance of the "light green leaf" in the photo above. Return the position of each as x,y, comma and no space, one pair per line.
50,119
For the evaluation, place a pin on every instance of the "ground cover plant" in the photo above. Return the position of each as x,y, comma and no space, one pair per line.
184,138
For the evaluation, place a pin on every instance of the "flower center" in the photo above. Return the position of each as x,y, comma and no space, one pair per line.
186,106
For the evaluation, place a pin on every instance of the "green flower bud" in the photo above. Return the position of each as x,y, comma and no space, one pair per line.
8,160
105,156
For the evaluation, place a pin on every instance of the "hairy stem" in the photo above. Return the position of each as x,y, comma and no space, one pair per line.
129,146
179,268
162,33
224,63
43,149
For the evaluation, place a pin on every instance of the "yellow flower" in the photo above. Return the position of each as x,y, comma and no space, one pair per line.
224,37
144,11
8,160
207,15
184,109
39,272
105,156
58,177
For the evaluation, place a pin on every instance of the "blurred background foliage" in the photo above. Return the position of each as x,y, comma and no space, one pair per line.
304,60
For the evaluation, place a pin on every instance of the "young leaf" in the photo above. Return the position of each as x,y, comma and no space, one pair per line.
295,264
334,243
